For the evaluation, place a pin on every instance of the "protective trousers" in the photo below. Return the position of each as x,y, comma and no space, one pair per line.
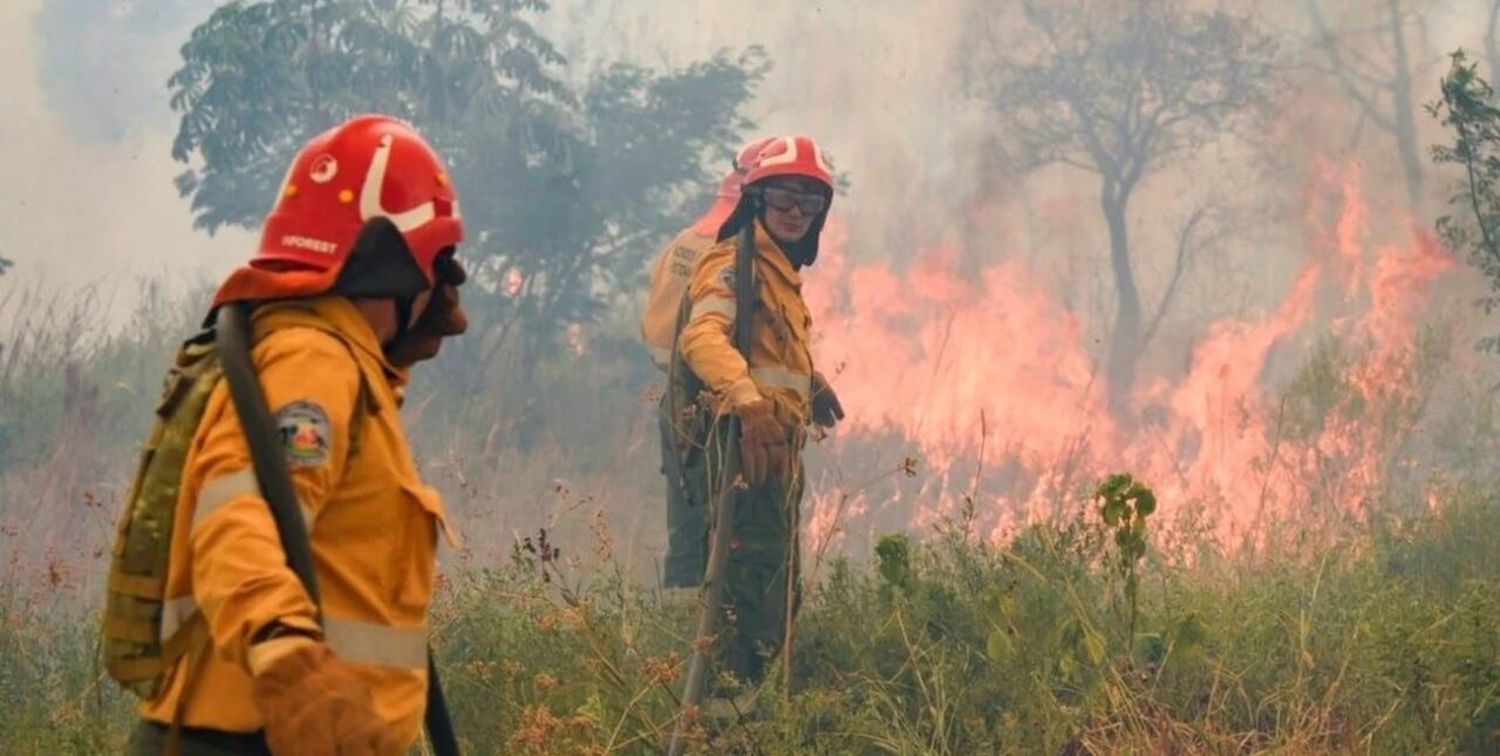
687,520
763,562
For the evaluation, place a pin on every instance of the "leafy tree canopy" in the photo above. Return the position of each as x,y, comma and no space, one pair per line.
567,188
1467,109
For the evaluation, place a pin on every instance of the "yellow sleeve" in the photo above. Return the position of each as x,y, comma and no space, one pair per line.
707,341
656,328
241,580
670,276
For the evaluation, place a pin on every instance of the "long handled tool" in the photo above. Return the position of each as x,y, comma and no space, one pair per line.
233,338
723,513
714,580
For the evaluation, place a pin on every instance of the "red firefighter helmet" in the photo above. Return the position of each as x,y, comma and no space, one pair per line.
728,194
747,158
790,156
783,156
370,166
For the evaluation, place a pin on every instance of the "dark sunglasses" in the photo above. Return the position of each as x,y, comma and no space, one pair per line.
784,200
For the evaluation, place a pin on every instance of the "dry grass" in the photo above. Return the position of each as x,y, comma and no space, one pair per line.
1323,634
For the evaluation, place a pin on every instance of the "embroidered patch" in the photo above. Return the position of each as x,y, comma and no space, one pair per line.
305,433
682,261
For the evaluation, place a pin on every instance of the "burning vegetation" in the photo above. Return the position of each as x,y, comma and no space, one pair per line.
1166,430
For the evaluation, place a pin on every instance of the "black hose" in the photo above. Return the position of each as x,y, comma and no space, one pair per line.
233,338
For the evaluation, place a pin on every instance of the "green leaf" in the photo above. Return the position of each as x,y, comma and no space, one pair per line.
894,554
592,707
1145,504
1113,511
1114,486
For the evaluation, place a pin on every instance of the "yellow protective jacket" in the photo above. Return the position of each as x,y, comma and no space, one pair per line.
373,525
780,366
669,279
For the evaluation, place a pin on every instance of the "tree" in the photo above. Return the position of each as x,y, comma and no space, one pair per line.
565,194
1474,227
1378,78
1119,89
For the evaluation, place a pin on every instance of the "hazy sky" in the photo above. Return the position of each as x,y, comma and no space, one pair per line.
87,130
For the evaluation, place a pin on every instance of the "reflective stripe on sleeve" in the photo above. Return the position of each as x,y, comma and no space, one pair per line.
782,378
715,304
226,488
383,645
352,640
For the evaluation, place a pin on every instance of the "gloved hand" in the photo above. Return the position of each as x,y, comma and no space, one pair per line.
827,411
315,704
763,441
443,317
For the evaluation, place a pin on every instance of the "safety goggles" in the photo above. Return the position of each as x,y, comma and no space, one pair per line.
783,200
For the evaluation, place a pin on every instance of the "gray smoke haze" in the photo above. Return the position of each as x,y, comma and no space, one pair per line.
87,133
87,129
873,81
101,63
879,83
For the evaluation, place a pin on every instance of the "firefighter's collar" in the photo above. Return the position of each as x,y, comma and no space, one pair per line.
771,252
344,317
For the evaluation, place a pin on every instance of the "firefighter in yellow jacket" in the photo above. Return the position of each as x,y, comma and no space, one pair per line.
775,393
674,264
354,281
686,526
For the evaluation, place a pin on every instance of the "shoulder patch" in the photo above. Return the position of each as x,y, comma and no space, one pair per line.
685,254
306,435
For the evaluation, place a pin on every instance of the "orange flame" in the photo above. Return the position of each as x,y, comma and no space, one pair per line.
957,361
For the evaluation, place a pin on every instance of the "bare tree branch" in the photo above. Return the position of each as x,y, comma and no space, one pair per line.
1184,250
1341,69
1384,93
1118,87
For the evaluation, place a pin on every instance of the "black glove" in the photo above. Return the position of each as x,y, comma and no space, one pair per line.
826,409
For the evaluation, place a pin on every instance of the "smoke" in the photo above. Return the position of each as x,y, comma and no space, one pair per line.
879,84
86,135
874,82
88,129
101,63
961,304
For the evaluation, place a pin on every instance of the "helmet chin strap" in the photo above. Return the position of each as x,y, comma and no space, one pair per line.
404,307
